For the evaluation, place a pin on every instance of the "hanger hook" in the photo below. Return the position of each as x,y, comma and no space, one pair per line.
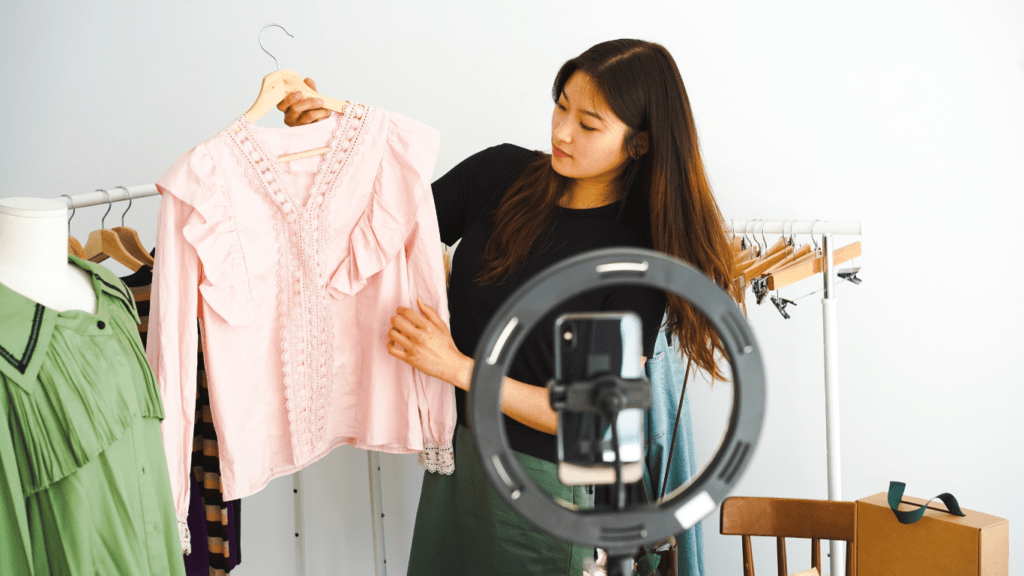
745,237
129,202
813,224
103,221
265,49
763,223
72,202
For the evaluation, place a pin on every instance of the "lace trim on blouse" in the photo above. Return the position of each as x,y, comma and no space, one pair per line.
301,234
184,536
437,458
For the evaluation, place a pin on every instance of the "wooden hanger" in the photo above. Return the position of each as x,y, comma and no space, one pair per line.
807,256
755,269
74,246
792,258
775,257
736,242
130,238
811,267
742,259
103,244
799,256
792,252
276,86
747,256
780,245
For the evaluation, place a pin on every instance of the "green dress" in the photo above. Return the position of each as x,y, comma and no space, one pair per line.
84,487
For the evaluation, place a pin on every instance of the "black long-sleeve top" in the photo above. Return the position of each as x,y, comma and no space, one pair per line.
464,197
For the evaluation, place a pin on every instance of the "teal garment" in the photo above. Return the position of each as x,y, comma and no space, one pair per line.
84,487
666,370
464,528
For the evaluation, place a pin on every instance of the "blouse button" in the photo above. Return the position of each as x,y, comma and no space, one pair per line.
101,325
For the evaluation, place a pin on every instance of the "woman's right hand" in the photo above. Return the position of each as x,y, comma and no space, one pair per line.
299,111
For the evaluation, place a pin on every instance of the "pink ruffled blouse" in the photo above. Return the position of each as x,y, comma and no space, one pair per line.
294,270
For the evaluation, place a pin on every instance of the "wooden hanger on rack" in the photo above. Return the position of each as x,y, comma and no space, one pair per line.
797,254
103,244
74,246
130,238
769,257
748,255
789,252
811,266
281,83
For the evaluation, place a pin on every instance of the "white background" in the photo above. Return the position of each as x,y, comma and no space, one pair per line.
908,115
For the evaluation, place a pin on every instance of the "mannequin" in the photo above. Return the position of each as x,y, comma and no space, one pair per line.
34,259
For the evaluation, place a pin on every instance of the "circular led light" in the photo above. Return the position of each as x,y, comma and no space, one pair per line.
633,527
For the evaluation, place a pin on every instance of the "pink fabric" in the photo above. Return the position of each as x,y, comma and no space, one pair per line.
295,270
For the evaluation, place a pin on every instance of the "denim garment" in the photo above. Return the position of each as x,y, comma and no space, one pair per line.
666,370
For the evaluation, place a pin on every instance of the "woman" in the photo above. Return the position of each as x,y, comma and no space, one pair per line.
625,170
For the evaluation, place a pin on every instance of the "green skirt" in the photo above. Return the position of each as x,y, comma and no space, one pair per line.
464,528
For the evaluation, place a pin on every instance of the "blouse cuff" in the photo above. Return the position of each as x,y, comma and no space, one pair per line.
437,458
184,536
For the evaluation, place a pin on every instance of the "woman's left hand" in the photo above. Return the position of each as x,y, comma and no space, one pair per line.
422,340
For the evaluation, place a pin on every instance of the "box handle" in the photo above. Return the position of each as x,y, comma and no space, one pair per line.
910,516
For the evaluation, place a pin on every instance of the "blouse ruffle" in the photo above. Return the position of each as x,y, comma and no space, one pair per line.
75,409
212,231
389,218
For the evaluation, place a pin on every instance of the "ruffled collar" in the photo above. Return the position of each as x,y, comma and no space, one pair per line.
26,326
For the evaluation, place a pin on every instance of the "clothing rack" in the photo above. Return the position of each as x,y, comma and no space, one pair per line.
99,198
829,316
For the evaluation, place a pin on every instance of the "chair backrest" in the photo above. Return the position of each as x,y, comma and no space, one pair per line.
787,518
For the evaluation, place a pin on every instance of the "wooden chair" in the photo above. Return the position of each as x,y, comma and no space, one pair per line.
786,518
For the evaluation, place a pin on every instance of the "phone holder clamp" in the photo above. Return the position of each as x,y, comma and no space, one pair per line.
604,394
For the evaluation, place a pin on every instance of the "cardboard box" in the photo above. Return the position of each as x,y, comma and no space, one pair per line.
939,544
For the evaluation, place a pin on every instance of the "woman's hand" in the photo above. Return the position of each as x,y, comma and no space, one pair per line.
422,341
299,111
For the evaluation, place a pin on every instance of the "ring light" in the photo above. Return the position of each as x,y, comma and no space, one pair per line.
622,530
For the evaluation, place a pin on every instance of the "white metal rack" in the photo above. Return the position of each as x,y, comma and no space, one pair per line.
121,194
829,317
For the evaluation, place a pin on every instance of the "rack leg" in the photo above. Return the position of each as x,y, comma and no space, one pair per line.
837,550
300,536
377,514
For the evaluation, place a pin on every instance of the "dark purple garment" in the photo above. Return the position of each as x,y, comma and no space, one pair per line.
198,563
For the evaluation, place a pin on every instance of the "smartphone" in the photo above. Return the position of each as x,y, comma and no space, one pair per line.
586,346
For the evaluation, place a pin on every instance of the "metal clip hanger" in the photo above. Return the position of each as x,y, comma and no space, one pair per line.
781,304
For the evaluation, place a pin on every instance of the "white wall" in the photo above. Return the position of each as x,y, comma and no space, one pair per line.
907,115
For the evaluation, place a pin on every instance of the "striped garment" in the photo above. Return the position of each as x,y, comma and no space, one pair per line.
209,515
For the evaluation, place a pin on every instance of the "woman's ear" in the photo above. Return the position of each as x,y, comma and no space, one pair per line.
640,144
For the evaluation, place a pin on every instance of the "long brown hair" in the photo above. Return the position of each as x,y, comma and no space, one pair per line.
641,83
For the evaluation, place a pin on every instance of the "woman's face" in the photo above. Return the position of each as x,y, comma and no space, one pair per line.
586,137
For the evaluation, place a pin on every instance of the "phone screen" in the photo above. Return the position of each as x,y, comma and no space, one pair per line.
588,345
